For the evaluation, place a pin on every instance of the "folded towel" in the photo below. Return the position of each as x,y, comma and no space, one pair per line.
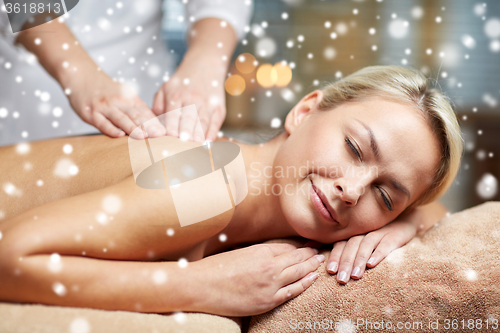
30,318
446,281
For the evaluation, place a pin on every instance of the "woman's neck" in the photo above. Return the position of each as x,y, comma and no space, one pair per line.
258,217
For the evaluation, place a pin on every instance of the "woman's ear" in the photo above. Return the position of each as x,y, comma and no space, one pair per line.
307,105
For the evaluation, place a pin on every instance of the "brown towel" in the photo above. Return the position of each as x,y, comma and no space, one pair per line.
446,281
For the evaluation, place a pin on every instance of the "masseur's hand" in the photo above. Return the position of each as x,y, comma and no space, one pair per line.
254,279
199,80
112,107
195,82
96,98
350,258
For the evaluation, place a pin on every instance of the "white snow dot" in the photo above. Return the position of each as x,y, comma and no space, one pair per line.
180,317
39,183
333,35
57,112
15,115
275,122
79,325
65,64
8,65
149,50
59,288
184,136
372,31
65,46
55,124
398,29
185,81
439,19
24,134
182,262
417,12
45,96
138,28
159,276
428,51
341,28
492,28
284,16
222,237
67,148
19,79
3,112
38,41
487,187
131,60
471,275
23,148
67,91
328,24
170,232
310,56
102,218
1,235
111,204
300,38
468,41
126,30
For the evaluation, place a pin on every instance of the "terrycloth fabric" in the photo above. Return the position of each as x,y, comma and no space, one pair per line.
451,273
19,318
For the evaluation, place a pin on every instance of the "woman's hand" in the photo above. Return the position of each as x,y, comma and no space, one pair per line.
349,258
113,108
254,279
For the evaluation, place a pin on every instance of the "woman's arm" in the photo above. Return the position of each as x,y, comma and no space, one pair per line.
349,258
68,253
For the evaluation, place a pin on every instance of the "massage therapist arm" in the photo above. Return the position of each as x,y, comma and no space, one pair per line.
353,255
110,106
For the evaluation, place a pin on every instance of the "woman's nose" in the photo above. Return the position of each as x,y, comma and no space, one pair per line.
349,191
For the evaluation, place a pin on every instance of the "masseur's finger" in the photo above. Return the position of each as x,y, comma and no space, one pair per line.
144,116
105,126
172,115
187,123
119,119
159,103
365,250
215,123
347,259
294,289
383,249
334,259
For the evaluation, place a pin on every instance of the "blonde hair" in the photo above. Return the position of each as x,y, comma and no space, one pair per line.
407,86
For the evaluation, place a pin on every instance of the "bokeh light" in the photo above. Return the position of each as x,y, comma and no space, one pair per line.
235,85
264,74
246,63
283,74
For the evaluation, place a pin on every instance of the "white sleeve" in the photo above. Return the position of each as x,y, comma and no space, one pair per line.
235,12
5,29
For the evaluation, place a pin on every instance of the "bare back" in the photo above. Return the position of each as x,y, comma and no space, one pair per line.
56,200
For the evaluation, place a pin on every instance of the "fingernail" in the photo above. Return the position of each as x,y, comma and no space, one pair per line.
371,261
315,250
356,272
332,267
343,276
313,276
320,258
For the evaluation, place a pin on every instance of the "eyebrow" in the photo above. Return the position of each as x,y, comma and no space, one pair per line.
376,152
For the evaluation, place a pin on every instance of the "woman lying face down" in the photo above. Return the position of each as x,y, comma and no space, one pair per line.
353,157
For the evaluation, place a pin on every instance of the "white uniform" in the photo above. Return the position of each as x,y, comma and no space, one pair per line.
123,37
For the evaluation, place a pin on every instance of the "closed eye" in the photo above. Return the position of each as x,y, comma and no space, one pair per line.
354,150
386,200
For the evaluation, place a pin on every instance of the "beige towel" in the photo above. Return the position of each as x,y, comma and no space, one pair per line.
23,318
448,278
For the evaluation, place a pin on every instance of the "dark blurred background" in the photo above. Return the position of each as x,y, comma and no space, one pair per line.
294,46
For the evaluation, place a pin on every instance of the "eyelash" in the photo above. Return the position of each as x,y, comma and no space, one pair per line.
358,155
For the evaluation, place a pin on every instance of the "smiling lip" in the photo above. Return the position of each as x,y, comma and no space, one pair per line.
321,204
